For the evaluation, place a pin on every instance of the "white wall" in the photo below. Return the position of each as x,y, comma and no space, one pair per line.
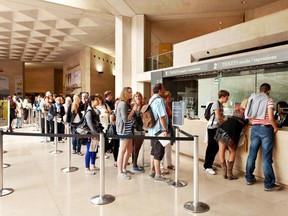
258,32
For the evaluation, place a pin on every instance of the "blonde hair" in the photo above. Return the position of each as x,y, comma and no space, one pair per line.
100,98
124,96
166,94
68,100
244,103
75,104
137,94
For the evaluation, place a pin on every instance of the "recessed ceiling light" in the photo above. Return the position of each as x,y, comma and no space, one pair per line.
243,2
220,23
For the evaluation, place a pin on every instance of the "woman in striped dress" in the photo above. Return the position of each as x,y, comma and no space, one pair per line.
124,123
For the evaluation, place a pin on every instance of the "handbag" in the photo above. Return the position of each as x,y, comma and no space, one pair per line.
49,117
111,131
82,127
138,123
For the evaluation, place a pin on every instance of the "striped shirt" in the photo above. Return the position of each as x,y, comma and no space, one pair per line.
270,105
128,124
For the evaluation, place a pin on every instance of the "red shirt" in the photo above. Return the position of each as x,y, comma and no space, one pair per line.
168,111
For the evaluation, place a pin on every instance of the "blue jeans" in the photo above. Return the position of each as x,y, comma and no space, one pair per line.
75,141
90,157
264,137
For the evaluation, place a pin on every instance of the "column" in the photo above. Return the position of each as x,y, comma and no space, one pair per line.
122,53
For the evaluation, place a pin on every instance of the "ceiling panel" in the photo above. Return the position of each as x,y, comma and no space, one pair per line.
49,30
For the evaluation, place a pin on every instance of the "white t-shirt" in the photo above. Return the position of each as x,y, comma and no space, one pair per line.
213,121
104,116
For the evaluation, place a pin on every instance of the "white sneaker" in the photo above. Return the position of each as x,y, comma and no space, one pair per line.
123,176
210,171
128,172
90,172
95,168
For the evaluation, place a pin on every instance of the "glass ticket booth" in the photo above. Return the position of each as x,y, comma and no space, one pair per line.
199,84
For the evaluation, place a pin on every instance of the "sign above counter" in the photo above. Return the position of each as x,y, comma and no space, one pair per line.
267,56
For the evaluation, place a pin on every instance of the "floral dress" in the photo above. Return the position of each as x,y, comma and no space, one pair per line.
229,132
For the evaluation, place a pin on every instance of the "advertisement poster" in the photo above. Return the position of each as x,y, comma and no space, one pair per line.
4,86
4,113
19,86
73,82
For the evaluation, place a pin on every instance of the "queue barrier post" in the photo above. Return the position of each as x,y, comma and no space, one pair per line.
177,182
196,206
103,198
69,168
3,191
29,116
55,151
36,119
5,165
143,154
45,127
39,120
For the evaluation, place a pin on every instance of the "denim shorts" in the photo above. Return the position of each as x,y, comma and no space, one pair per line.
127,133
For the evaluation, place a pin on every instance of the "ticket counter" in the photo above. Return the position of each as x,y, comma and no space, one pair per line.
280,151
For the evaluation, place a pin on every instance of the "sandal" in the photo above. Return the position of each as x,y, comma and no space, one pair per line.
171,167
163,171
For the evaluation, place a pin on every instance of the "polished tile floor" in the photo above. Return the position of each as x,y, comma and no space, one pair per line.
42,189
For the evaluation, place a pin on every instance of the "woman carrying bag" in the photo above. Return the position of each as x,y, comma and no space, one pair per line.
93,122
74,116
124,123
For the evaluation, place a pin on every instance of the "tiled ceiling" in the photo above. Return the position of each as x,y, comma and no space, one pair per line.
49,31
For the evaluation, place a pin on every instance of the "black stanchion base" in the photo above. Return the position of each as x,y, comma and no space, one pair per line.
55,152
6,191
102,200
6,165
4,152
179,183
69,169
199,208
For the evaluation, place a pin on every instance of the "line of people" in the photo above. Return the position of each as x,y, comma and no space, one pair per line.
124,113
19,111
222,134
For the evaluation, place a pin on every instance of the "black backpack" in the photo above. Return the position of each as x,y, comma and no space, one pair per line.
207,113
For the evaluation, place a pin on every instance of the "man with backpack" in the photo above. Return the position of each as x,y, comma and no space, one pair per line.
215,120
158,109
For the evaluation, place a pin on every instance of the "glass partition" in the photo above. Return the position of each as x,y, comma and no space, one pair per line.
278,81
163,60
197,92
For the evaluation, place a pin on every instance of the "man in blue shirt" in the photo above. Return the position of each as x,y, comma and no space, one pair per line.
159,111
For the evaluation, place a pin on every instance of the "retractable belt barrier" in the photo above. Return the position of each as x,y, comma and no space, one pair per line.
101,199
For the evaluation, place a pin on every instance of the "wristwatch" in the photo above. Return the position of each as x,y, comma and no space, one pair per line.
165,130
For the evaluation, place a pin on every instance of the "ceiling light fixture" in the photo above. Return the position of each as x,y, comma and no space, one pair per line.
220,23
243,2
